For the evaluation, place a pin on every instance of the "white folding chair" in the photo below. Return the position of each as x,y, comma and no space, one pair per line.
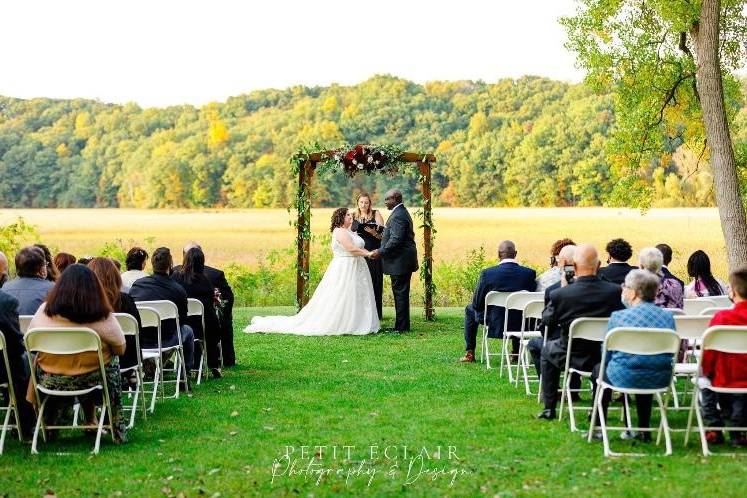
695,306
532,311
591,329
690,328
516,301
24,321
195,308
12,407
675,311
167,310
726,339
493,298
636,341
130,328
721,301
712,311
149,317
67,341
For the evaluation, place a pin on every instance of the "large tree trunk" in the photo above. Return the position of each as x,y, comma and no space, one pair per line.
710,89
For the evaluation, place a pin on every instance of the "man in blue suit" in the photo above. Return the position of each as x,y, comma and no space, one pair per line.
506,276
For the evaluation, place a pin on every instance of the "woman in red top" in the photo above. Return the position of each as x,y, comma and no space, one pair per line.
727,370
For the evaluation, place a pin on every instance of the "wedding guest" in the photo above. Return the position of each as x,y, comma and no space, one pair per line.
506,276
669,294
372,239
638,371
704,284
84,260
52,272
564,258
666,252
17,360
79,300
3,269
727,370
111,282
31,286
619,252
552,276
191,276
224,310
62,260
159,286
588,296
135,264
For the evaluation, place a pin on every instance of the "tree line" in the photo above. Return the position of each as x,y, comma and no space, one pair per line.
526,142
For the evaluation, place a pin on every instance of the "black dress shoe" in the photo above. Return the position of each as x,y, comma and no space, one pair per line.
547,414
216,373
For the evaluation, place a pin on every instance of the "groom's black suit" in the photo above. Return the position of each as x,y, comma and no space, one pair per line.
399,256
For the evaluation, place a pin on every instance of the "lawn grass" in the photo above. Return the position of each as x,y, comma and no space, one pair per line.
381,390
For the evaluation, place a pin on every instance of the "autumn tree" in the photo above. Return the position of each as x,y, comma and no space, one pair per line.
670,65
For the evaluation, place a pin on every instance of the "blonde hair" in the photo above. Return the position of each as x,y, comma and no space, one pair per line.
358,214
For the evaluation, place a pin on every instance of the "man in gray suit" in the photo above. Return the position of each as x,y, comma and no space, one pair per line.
399,256
31,286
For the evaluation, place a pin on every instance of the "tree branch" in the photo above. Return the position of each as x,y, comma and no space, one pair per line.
683,44
670,96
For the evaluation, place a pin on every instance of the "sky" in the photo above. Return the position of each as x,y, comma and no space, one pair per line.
164,52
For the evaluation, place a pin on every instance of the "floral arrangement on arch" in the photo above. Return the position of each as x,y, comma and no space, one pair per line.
367,159
353,159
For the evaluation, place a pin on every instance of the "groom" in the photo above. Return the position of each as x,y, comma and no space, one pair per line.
399,256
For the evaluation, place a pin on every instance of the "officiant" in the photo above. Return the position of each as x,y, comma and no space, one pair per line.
369,224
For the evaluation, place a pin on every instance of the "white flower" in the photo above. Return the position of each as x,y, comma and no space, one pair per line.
360,166
370,159
355,162
376,162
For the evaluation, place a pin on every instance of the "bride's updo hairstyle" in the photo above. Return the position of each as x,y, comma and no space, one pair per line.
338,218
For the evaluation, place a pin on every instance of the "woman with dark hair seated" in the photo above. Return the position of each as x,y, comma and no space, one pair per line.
192,277
108,275
78,300
704,283
52,272
62,260
135,264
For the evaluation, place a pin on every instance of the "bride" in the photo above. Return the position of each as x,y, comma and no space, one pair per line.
344,302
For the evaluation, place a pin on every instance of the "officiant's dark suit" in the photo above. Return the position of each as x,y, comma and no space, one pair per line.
507,276
399,257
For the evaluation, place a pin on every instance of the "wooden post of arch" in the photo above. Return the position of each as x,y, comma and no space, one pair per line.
303,224
425,172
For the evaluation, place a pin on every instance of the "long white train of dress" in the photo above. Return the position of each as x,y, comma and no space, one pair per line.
343,302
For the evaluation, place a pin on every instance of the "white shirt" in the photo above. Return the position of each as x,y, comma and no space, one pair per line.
129,277
507,260
395,207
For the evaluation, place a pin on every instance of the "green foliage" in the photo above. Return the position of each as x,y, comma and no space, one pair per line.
14,235
643,53
530,141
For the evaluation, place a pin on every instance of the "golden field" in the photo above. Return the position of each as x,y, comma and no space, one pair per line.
243,236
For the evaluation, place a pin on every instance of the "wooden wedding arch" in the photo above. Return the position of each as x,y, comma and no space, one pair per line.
306,169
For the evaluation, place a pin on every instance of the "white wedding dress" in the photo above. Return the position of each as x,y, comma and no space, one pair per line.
343,302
